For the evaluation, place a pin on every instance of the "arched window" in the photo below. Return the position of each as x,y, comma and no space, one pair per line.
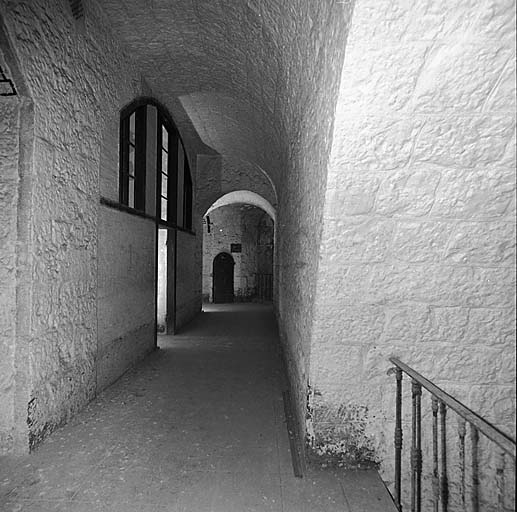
154,170
132,158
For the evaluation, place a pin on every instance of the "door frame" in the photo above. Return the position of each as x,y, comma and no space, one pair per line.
213,275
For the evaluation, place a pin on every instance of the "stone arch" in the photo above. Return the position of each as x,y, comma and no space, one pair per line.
218,175
241,199
247,197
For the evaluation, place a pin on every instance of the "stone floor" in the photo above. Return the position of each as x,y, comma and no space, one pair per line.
198,426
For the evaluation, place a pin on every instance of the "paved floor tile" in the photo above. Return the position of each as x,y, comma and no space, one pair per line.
198,426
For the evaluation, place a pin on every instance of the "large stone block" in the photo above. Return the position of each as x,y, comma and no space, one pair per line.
496,21
351,194
497,403
341,324
357,239
503,98
480,194
482,243
444,362
417,241
477,67
491,326
329,362
434,284
408,192
362,88
464,142
397,21
374,143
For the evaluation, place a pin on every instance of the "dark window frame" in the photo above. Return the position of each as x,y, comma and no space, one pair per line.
187,196
138,107
139,172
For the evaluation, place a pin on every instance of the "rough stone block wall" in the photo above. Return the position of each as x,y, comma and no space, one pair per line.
255,86
9,133
126,292
418,249
78,76
307,96
188,275
233,224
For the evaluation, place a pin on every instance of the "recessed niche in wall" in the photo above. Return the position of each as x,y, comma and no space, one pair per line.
235,247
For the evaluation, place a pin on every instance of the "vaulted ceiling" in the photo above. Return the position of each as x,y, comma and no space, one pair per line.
232,72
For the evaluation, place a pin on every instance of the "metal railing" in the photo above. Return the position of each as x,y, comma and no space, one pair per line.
440,403
264,283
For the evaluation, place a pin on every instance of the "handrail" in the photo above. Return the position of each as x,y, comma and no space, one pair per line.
441,402
504,441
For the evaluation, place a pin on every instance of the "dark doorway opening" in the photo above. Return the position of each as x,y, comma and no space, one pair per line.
223,278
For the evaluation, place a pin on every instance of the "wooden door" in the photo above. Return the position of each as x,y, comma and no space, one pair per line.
223,278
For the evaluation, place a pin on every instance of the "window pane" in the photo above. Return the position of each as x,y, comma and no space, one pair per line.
131,169
164,208
165,162
165,138
131,199
132,128
164,185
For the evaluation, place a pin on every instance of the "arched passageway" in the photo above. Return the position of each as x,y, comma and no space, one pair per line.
242,224
385,142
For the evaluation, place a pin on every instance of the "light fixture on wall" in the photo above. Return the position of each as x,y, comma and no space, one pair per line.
7,87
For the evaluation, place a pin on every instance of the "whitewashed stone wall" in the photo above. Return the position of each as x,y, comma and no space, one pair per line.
126,292
233,224
258,82
188,275
9,133
418,250
78,76
307,96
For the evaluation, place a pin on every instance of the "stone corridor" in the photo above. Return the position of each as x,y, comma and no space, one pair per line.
197,426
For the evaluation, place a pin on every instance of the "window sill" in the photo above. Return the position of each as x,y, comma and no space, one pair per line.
138,213
124,208
164,225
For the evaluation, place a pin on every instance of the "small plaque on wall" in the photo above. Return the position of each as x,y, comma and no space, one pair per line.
235,248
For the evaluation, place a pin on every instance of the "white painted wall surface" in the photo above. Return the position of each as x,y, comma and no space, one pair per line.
418,248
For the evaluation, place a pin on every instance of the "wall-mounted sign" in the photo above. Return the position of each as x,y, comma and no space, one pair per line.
235,247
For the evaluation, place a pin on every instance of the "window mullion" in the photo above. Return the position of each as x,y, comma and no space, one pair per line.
172,180
124,159
140,156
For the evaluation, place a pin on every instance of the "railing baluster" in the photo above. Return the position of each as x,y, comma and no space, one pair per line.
499,476
398,439
436,486
474,437
444,481
461,434
416,450
441,402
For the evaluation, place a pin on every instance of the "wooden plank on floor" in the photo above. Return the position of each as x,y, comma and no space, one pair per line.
294,441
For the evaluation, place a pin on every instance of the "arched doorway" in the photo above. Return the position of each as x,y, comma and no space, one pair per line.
223,278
